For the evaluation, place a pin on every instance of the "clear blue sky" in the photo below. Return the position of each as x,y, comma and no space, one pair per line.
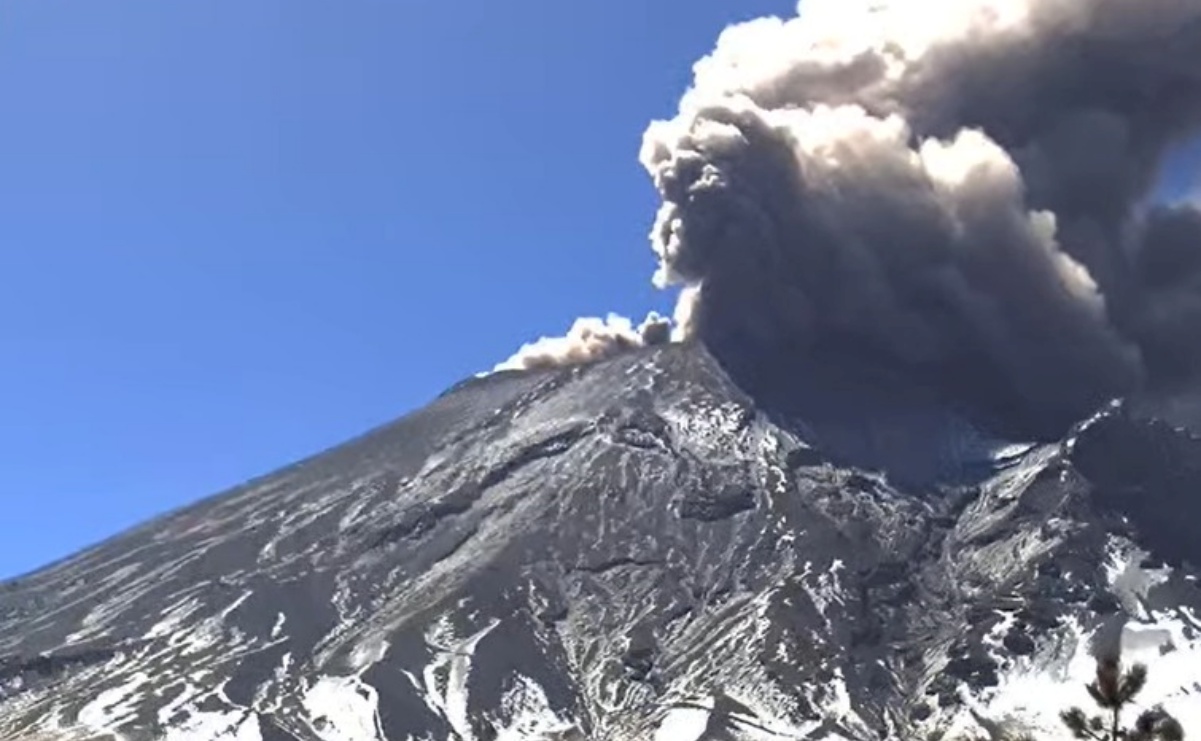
235,232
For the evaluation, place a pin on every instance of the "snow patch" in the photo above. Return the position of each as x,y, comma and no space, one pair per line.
1169,643
174,618
368,653
827,590
686,722
208,632
1128,580
113,707
343,709
227,725
278,629
1034,689
445,678
530,713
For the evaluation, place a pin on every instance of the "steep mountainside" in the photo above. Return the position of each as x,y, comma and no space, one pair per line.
630,550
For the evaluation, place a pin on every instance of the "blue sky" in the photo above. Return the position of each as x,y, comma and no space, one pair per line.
233,233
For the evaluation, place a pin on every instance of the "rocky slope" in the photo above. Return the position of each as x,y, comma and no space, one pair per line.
630,550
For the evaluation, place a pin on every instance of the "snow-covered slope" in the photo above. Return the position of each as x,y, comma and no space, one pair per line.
630,550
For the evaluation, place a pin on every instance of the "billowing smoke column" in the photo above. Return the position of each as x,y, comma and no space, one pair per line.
953,187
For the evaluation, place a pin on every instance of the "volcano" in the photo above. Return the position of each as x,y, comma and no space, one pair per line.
634,549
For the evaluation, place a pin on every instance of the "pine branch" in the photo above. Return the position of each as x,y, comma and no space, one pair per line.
1113,690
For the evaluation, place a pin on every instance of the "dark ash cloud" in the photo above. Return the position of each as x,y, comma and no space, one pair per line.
954,188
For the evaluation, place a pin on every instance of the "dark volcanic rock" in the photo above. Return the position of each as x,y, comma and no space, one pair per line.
629,550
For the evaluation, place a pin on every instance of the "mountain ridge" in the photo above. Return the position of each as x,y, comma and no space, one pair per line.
631,549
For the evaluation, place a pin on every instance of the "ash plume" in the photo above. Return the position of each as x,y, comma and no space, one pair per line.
955,188
589,339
